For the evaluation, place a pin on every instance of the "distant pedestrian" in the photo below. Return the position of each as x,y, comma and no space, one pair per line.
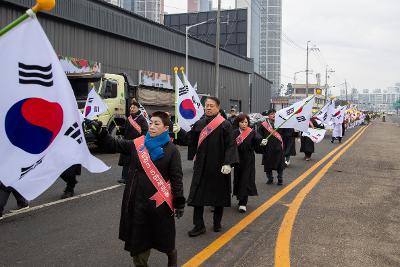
247,141
273,154
135,126
232,116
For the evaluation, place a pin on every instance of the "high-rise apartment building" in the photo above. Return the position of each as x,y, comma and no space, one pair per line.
151,9
270,42
199,5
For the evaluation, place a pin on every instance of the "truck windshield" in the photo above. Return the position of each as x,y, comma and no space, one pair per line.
82,87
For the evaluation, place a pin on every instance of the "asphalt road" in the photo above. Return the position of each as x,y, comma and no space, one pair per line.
350,218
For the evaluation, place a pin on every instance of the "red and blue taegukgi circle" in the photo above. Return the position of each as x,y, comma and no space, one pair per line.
187,109
33,123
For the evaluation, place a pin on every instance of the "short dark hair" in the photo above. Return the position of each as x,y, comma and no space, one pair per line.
240,118
213,98
271,111
163,116
135,103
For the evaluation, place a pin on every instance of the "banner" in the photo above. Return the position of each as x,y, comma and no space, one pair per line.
301,112
94,105
189,108
40,124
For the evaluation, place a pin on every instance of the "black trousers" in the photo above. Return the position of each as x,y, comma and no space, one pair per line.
308,154
124,174
243,201
279,171
198,216
71,182
5,194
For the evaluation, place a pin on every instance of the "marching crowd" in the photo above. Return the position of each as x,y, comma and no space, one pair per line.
152,171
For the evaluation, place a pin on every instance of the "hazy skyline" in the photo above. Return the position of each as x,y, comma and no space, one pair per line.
359,39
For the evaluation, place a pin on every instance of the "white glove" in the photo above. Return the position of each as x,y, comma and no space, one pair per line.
226,169
176,128
264,142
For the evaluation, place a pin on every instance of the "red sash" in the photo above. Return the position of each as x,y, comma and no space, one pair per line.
268,127
210,128
135,124
243,136
163,193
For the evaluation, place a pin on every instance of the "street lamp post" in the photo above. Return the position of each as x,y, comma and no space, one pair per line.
187,44
326,81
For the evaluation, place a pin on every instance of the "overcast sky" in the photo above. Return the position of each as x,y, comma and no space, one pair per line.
359,39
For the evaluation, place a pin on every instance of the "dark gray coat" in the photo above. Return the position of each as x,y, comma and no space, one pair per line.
273,156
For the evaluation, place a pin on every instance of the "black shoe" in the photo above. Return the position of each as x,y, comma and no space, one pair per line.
332,141
25,206
270,181
196,231
217,228
67,194
280,182
122,181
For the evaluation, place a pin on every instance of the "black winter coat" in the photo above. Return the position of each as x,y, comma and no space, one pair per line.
142,225
273,157
131,133
244,181
209,186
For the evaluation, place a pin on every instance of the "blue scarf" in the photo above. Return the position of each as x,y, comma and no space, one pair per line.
154,145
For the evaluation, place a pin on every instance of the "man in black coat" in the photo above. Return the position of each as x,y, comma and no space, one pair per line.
273,156
69,177
213,156
135,126
143,224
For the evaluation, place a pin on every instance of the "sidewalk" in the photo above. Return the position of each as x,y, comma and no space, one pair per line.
352,218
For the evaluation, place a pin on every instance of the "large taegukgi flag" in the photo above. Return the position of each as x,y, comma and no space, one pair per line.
326,113
296,116
189,108
40,130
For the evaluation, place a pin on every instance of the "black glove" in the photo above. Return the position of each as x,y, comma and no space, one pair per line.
179,213
95,126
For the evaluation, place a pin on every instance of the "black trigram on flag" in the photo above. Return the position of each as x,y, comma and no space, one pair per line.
195,102
90,100
301,119
24,171
183,90
74,132
35,74
325,116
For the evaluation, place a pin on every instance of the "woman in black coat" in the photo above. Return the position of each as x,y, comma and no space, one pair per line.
244,183
307,145
135,126
143,225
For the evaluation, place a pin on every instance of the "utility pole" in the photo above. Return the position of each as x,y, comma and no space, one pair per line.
345,86
218,33
307,71
326,81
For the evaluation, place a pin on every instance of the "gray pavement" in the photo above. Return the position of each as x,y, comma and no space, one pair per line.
83,232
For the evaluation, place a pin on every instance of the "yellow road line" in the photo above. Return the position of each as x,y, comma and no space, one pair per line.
282,248
207,252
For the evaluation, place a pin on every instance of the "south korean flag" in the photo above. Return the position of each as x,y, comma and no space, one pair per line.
296,116
94,105
315,134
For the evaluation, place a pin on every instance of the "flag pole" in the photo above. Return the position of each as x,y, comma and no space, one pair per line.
176,99
289,117
46,5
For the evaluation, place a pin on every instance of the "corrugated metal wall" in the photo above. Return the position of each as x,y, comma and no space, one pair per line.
121,54
260,93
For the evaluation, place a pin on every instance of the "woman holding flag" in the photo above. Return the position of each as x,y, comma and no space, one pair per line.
154,190
247,141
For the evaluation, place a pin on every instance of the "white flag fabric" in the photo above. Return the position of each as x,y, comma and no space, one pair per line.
94,105
326,113
144,113
302,111
338,115
315,134
40,129
189,108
